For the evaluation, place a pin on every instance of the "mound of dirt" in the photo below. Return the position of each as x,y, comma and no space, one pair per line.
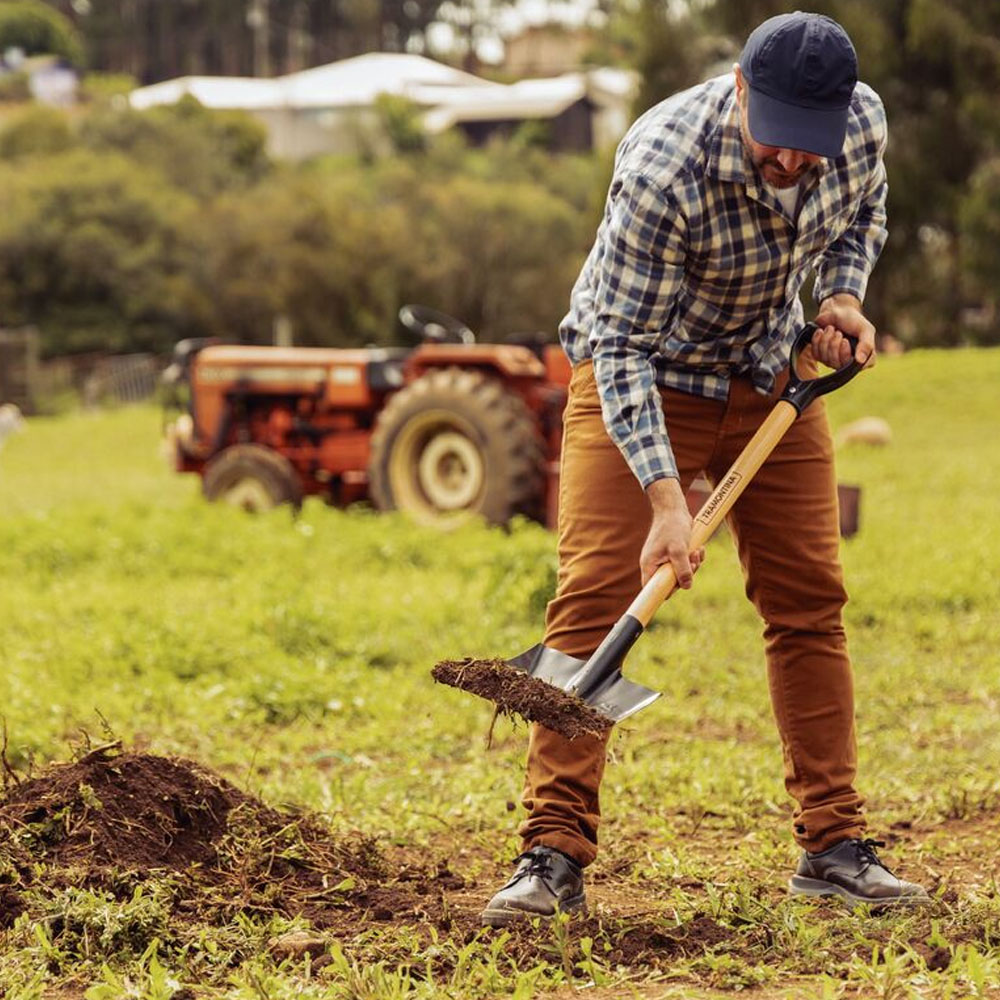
517,693
122,811
114,818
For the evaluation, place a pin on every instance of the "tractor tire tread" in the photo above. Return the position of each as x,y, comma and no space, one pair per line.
270,466
504,419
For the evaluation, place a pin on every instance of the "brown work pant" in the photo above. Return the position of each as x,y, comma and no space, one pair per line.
786,529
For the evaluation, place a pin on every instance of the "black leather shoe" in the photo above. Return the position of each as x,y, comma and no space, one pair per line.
853,870
544,881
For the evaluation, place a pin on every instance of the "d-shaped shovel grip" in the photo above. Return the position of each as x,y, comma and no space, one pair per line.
798,394
801,392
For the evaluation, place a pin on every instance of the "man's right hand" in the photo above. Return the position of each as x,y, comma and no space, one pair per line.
669,538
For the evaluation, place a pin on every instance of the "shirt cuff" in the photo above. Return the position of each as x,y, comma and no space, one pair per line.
650,459
842,276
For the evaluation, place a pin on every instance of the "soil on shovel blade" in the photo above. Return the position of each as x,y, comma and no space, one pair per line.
517,693
114,819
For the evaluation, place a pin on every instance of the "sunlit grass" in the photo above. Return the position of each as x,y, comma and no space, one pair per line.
293,654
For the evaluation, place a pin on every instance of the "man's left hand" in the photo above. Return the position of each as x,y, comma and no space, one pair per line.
839,315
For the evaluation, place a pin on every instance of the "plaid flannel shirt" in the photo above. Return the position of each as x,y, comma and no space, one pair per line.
696,269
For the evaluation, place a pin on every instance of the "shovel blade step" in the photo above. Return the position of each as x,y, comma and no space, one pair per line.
549,665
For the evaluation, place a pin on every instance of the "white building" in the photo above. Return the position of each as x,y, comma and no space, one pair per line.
331,109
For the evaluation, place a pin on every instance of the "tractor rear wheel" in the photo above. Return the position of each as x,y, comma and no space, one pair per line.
252,477
454,443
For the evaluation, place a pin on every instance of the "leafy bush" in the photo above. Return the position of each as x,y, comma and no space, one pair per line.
36,130
14,88
503,255
199,151
401,121
96,253
38,30
138,228
325,253
105,88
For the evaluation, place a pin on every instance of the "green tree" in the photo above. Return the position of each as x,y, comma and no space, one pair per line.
107,88
672,49
979,218
156,40
96,253
325,251
500,255
38,30
472,23
401,121
201,151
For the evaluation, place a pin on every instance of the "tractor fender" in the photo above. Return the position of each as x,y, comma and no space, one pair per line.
506,360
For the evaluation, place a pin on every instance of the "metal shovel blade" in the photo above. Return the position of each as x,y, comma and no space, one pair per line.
616,698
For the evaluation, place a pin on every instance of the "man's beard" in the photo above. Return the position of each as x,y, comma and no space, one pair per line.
775,175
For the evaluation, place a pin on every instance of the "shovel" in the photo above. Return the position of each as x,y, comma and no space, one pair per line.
598,683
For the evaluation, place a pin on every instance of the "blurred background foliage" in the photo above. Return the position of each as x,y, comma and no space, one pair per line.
129,230
36,28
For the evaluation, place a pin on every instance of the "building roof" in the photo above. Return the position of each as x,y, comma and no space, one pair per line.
358,81
544,98
221,92
354,82
613,82
525,99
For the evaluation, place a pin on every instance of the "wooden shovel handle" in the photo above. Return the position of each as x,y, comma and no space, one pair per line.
663,582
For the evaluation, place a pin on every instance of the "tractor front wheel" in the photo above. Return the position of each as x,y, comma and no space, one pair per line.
454,443
252,477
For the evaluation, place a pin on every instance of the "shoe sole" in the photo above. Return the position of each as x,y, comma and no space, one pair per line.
799,885
576,905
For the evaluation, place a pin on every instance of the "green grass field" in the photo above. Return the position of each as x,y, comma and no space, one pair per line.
292,656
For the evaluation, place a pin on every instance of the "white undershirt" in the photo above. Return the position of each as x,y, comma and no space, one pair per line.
788,198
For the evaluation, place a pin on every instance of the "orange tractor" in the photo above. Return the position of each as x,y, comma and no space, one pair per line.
441,430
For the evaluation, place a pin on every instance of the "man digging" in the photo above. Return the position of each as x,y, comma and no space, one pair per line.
724,198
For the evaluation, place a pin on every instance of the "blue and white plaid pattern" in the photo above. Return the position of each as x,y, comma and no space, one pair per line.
696,270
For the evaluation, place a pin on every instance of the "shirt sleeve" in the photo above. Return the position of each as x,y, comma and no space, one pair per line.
639,275
847,263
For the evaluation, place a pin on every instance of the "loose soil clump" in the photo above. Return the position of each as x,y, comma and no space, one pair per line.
517,693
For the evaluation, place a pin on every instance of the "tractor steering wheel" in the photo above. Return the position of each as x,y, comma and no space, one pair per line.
436,327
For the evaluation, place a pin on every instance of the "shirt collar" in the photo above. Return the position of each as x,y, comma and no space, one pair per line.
726,158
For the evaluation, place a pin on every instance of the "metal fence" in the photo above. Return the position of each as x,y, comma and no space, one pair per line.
93,379
19,367
124,378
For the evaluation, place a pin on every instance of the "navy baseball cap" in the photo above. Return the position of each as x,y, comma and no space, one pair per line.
801,70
